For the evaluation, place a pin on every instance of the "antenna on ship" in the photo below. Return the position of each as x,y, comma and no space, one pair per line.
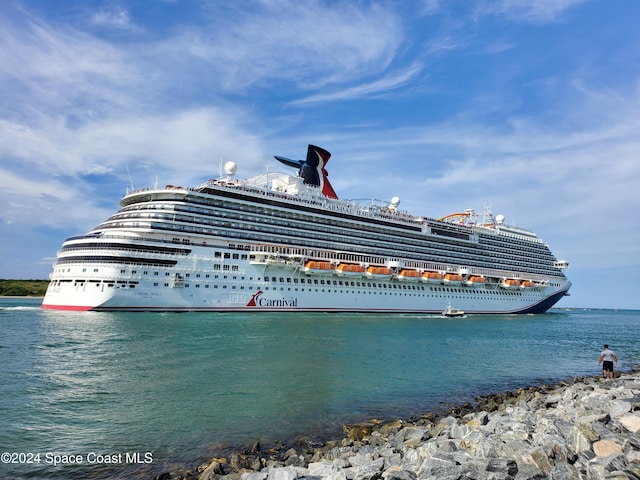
220,168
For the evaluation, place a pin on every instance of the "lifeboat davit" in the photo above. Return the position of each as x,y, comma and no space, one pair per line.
409,275
378,272
350,269
314,267
432,277
452,279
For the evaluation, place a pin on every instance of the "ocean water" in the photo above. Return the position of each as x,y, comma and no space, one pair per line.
132,395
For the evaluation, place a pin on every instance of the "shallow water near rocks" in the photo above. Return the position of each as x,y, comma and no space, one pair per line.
174,388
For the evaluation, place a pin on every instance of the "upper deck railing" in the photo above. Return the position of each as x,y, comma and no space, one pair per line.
310,195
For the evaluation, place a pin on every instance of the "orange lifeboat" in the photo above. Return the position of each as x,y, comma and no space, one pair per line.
527,284
318,267
378,272
510,283
350,269
476,280
452,278
432,277
409,275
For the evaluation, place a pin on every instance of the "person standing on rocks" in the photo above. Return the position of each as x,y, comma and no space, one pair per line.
607,357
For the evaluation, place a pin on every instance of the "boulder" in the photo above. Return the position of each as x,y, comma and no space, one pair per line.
630,422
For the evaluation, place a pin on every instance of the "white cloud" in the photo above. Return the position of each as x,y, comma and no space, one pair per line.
310,44
115,17
529,11
380,86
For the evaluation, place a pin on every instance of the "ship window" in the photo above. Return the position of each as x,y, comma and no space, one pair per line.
155,284
156,273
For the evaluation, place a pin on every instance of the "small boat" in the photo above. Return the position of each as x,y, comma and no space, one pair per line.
409,275
452,279
378,272
510,283
318,267
350,269
432,277
452,312
475,281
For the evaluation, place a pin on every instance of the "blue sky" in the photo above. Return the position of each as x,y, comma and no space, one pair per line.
530,107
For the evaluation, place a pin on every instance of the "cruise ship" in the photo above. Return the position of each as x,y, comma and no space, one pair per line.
285,242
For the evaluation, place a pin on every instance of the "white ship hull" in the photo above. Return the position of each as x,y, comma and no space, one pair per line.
280,289
286,246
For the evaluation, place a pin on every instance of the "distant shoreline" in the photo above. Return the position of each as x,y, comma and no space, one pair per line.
23,288
21,296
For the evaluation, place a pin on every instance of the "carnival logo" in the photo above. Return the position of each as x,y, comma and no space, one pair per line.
258,301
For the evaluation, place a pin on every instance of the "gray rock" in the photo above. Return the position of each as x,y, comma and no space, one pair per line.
283,473
580,429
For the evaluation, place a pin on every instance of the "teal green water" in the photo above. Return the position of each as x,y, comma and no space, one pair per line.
176,387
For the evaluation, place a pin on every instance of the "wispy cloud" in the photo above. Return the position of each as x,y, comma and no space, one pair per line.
310,44
528,11
114,17
378,87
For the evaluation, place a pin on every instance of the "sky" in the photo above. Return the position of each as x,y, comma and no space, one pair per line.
530,108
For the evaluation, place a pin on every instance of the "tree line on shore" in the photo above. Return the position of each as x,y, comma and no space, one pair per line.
23,288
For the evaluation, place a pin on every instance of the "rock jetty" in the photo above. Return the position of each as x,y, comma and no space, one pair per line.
584,428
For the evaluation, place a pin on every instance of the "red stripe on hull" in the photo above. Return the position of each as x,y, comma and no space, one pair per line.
73,308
